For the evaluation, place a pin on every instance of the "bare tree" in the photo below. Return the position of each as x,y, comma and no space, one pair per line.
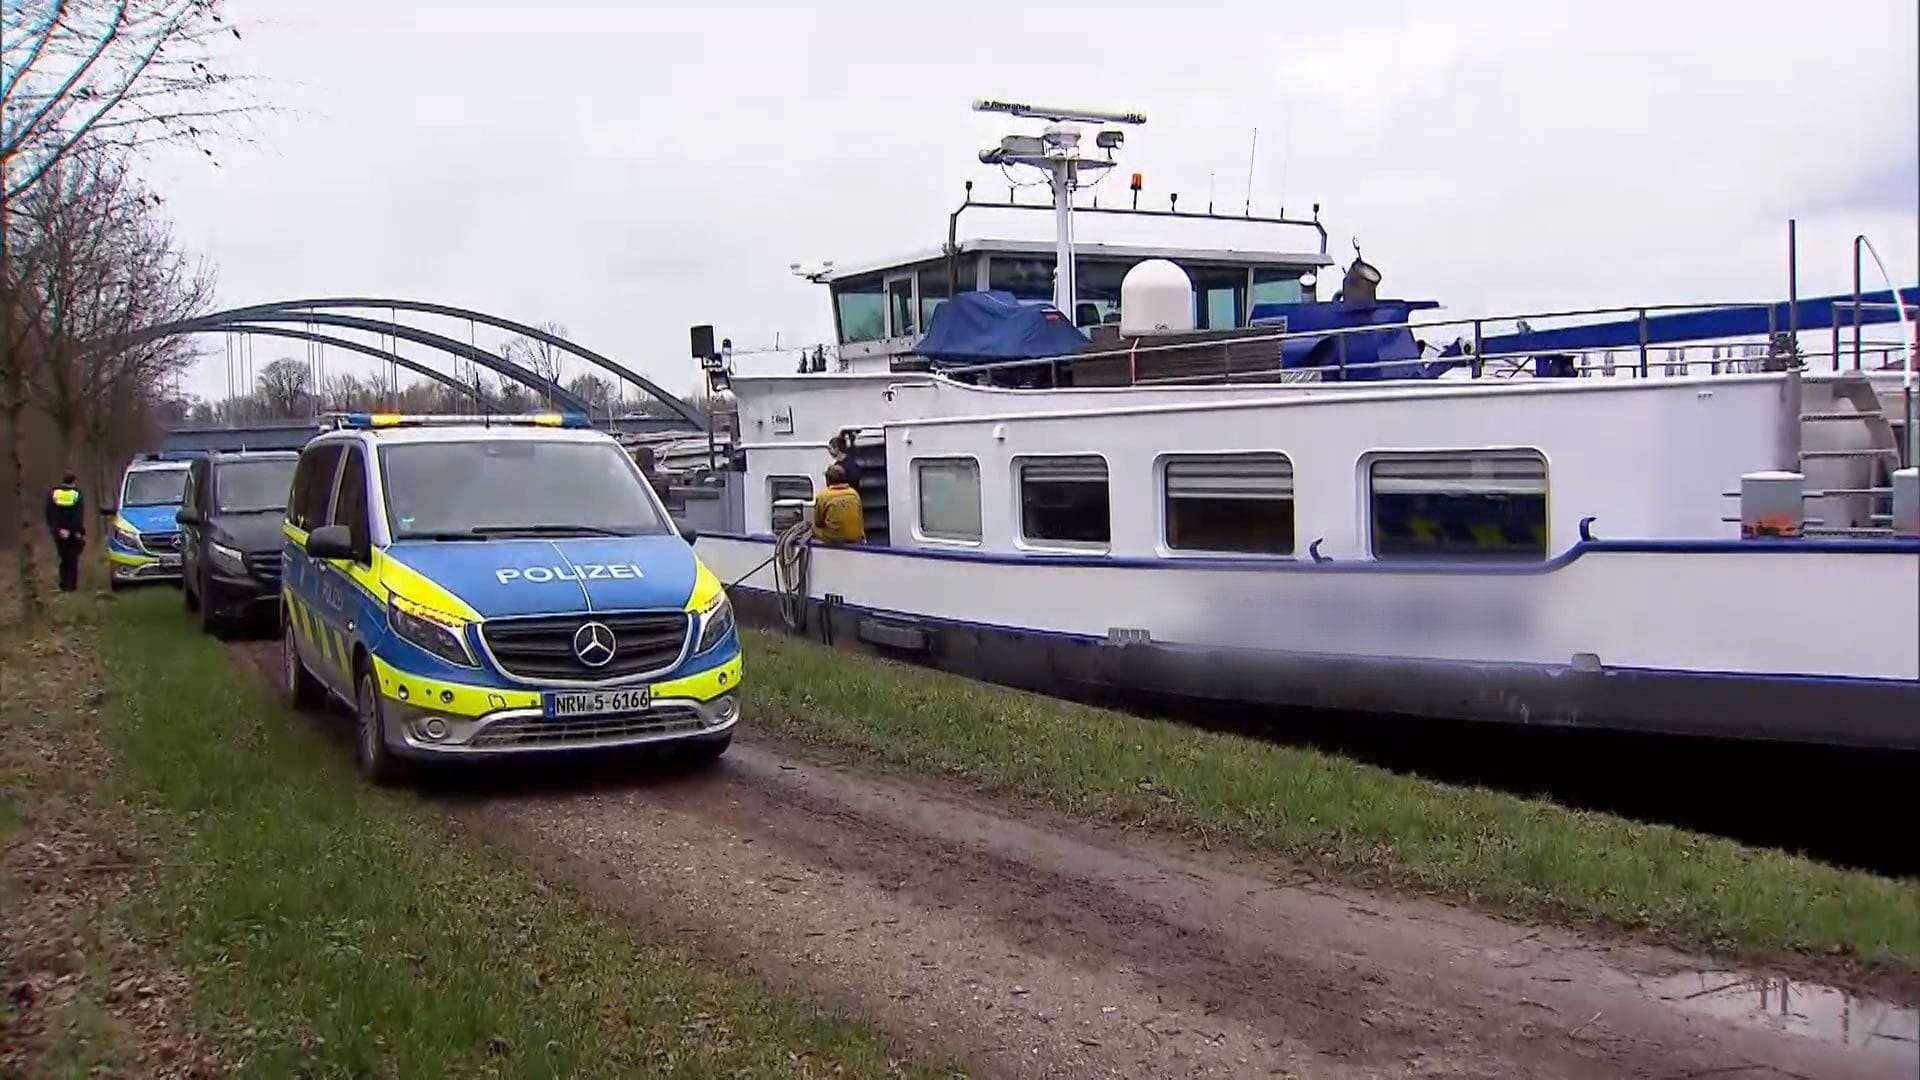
109,268
538,358
515,397
595,391
282,388
127,73
109,73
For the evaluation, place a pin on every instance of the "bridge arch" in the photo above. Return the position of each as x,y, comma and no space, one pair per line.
225,319
289,311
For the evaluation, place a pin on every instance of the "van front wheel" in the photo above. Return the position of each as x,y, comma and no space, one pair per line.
376,761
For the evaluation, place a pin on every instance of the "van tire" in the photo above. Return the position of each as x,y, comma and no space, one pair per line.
371,755
210,621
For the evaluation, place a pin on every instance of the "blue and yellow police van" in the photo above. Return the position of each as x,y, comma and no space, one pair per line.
477,587
144,542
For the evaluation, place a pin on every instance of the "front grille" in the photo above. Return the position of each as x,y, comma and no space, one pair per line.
668,720
542,648
161,542
264,565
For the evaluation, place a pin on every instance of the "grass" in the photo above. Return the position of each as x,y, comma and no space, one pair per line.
1346,820
329,929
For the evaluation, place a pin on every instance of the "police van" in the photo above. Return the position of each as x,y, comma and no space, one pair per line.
144,543
483,587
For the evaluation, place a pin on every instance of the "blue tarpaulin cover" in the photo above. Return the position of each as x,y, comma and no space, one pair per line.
1382,348
983,327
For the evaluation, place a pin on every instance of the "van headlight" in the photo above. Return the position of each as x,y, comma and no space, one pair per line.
228,559
441,639
715,624
127,536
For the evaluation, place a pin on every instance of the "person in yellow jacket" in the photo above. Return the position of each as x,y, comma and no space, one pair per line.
67,522
838,517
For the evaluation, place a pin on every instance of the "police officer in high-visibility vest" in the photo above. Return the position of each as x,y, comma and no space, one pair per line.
838,517
67,521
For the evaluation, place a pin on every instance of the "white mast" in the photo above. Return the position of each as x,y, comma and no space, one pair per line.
1056,151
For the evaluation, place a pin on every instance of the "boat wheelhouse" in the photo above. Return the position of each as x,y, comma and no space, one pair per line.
883,309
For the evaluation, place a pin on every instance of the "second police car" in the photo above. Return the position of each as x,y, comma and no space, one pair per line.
144,543
515,586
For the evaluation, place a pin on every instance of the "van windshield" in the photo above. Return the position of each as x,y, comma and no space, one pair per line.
251,487
509,487
155,487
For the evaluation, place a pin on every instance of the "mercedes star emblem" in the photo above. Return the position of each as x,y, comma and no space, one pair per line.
593,644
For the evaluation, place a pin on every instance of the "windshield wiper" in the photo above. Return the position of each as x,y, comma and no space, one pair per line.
470,534
549,530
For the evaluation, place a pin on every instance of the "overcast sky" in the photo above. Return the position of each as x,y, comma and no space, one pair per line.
628,172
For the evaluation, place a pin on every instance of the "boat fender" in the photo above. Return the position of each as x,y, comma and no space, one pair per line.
1313,549
893,635
1586,535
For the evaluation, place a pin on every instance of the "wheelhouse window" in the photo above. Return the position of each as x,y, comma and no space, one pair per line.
789,498
1220,295
1027,277
1230,503
1276,287
1489,504
1064,500
901,316
1096,287
934,288
862,306
949,493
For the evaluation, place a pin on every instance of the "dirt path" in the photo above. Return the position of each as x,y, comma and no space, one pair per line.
1027,946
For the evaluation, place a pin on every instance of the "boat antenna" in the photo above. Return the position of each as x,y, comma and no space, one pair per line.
1056,151
1252,151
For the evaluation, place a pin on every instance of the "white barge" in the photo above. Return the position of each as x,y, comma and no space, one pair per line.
1266,498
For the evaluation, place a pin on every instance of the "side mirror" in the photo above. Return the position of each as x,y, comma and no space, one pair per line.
187,515
331,542
687,532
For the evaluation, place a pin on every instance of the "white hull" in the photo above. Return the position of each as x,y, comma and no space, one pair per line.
1682,614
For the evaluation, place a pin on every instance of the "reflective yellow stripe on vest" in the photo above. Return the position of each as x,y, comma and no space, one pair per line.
66,497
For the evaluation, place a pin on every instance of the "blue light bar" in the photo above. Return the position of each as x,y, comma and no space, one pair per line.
370,420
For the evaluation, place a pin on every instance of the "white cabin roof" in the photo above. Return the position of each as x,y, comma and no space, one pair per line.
1135,252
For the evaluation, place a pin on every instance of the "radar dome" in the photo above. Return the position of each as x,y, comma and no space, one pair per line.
1156,297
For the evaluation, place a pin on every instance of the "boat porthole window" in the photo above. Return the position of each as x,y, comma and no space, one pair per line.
1237,503
1469,504
1064,500
789,499
948,490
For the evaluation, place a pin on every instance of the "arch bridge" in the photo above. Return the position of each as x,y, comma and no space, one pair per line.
296,319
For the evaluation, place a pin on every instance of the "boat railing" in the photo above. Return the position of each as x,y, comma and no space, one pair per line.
1645,357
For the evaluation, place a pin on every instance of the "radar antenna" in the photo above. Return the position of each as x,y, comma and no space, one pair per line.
1056,151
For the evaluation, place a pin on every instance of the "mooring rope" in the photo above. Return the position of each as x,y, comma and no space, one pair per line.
792,562
792,559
